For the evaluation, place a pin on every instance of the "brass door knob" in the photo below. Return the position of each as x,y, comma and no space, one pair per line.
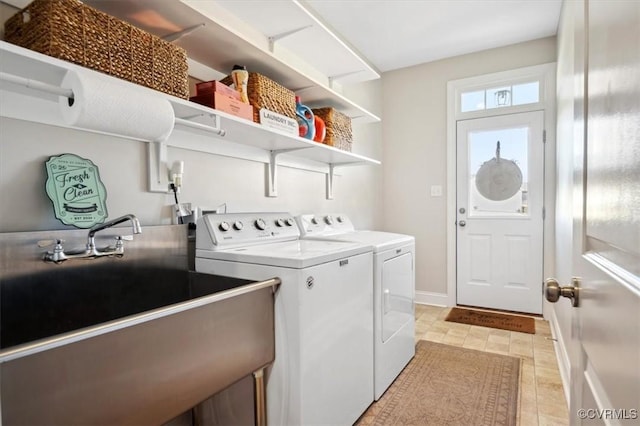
553,291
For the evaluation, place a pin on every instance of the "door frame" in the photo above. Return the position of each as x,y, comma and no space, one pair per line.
546,75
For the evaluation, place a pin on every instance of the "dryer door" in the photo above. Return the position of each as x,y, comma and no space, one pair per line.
397,294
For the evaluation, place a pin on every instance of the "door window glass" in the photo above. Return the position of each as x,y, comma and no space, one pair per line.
498,178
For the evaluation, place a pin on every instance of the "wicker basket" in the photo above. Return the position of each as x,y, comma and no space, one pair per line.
338,126
70,30
266,93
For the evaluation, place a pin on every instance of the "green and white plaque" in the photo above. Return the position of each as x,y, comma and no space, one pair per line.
77,193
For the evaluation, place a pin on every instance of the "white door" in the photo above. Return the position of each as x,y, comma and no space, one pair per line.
605,332
500,194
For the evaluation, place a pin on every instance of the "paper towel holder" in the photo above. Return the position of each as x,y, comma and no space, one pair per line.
38,85
157,150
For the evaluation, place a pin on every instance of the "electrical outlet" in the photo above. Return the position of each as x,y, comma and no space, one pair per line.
436,190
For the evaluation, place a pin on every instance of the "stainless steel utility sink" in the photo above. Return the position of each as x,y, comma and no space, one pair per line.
46,304
136,340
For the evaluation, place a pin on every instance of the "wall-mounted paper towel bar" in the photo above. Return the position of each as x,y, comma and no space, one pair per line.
157,150
36,85
61,91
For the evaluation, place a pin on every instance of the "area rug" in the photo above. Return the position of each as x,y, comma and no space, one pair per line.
449,385
493,320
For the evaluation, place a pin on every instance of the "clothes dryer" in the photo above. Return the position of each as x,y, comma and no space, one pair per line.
393,289
322,373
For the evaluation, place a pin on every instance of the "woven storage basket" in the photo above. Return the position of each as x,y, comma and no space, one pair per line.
338,126
266,93
70,30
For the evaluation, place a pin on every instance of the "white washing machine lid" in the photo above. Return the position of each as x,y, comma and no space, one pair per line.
378,240
297,254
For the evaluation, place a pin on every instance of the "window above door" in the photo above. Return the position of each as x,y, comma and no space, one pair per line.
500,96
506,92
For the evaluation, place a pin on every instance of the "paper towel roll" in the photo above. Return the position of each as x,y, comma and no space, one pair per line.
106,105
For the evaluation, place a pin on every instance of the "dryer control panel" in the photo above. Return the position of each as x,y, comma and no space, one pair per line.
231,230
323,225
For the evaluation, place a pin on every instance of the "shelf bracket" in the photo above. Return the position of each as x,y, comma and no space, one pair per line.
272,170
303,89
179,34
333,78
217,130
157,167
331,174
274,38
329,179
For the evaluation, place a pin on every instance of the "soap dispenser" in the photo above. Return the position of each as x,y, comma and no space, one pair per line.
304,115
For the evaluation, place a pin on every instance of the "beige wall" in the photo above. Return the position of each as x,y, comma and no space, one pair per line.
415,152
209,180
370,144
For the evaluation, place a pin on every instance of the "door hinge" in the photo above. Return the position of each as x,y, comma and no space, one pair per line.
544,136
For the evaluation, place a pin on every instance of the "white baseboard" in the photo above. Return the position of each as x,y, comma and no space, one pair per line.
562,356
430,298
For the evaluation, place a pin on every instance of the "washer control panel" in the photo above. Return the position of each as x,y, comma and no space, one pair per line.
228,230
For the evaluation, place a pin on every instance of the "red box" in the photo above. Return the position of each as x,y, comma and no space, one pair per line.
207,87
225,103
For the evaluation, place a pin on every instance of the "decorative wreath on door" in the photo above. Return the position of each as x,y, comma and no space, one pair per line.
498,179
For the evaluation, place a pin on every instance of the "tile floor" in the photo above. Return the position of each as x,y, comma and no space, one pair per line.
542,400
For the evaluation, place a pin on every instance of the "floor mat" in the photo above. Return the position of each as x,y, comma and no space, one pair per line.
449,385
493,320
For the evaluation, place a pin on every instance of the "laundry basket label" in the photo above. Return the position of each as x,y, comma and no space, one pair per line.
76,191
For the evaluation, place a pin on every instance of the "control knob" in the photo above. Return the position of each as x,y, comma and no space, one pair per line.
289,221
314,220
340,219
224,226
260,224
279,222
328,220
237,225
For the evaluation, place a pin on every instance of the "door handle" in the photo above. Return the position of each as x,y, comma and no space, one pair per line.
386,297
462,223
553,291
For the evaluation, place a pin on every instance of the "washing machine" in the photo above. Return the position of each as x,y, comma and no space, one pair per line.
322,373
393,286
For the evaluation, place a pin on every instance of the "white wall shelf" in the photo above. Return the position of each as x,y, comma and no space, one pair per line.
197,127
294,26
312,62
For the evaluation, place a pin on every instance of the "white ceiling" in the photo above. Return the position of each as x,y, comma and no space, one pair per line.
394,34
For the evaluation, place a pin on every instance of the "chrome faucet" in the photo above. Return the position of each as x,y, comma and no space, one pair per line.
91,251
137,229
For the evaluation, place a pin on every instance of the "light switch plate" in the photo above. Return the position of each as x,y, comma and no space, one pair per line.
436,190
